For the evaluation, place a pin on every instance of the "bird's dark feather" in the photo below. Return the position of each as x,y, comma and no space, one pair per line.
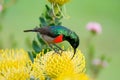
53,31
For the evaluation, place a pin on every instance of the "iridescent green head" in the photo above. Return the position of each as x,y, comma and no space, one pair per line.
73,39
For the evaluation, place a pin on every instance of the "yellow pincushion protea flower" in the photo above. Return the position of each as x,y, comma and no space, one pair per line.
15,74
16,65
37,72
59,2
13,65
13,59
54,65
73,76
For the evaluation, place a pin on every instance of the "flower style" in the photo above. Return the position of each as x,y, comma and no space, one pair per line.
59,67
94,27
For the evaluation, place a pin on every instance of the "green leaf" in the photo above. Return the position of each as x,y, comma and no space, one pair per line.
36,47
60,23
52,24
46,50
47,7
31,56
43,21
48,17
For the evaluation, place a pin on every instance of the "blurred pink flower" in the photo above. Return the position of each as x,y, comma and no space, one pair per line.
94,27
1,8
104,64
96,62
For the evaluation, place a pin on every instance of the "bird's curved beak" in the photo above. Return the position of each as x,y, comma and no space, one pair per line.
74,53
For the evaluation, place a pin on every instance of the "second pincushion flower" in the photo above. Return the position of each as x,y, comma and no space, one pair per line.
60,67
94,27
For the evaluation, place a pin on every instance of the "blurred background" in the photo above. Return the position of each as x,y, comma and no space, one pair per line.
24,14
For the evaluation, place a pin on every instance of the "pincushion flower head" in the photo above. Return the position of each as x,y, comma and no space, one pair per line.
74,76
94,27
16,65
12,65
60,67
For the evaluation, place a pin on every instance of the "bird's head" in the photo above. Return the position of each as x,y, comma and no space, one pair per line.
73,39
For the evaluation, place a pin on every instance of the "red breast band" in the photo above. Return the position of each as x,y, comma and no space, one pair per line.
58,39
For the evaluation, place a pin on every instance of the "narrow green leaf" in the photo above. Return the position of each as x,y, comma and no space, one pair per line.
47,7
43,21
52,24
60,23
31,56
36,47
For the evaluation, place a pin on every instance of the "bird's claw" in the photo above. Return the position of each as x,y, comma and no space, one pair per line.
58,52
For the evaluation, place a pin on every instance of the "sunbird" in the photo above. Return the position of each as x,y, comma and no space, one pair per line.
57,34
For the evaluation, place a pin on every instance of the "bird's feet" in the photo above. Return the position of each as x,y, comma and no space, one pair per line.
58,51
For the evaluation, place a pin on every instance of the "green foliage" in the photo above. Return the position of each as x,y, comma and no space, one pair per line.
46,19
49,19
31,55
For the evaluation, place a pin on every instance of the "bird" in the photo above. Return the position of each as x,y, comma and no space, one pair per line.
57,34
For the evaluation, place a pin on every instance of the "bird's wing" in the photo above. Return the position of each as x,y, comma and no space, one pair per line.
47,31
